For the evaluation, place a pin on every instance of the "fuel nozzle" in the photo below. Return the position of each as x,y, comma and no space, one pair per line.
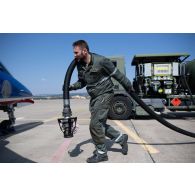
67,123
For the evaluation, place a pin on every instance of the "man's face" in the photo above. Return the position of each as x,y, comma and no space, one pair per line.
79,53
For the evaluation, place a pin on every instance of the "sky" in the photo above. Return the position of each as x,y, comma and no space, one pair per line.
40,60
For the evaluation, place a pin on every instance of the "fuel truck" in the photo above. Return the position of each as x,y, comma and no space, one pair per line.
161,81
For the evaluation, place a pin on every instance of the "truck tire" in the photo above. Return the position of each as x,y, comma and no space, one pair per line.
121,108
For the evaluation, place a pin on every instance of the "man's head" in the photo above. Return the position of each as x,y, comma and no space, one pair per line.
81,49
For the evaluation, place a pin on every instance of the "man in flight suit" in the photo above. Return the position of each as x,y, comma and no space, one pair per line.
95,72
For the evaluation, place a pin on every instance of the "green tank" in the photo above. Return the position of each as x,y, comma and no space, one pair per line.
119,62
190,71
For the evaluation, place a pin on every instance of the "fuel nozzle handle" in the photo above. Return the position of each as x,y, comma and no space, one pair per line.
67,112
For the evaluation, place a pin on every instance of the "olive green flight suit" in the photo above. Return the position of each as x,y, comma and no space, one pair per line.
97,79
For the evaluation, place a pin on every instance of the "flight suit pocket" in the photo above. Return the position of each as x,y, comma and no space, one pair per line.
81,74
94,75
95,70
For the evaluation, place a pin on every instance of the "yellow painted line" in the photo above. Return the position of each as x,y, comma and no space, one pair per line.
138,139
50,119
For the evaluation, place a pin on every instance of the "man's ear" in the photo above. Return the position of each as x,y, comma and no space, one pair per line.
85,51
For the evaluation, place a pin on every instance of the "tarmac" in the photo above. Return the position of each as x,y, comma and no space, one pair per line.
38,139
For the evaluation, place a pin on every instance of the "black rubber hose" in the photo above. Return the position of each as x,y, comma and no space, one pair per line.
67,80
159,118
67,110
66,97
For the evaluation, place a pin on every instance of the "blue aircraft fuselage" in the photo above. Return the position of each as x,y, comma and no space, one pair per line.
12,90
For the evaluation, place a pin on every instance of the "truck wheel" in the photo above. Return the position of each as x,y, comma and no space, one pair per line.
121,108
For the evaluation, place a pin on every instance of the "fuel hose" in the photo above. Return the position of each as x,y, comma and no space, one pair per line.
159,118
67,123
66,96
67,110
67,80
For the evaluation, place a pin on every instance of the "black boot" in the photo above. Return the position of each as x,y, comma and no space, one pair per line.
124,144
97,158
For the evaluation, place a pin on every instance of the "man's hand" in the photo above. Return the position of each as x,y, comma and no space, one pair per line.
71,87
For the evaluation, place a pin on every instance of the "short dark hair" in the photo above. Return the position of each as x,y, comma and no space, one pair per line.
81,43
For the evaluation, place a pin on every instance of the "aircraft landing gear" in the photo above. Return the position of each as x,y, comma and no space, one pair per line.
7,126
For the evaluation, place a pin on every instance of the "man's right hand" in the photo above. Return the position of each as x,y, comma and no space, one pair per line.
71,87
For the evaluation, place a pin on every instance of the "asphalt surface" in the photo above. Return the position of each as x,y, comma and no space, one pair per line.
38,137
